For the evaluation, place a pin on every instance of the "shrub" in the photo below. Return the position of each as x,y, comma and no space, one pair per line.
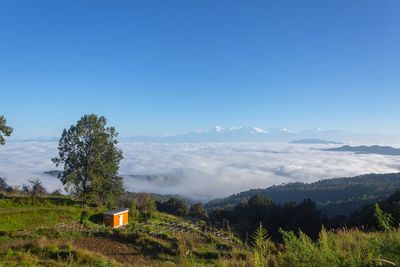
84,216
262,246
49,233
51,249
385,220
96,218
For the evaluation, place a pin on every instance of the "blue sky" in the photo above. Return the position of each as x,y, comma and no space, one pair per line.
168,67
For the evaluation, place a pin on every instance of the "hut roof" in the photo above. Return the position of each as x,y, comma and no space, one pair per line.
116,211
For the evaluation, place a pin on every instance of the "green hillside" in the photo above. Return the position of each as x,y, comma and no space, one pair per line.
338,196
159,239
59,231
25,213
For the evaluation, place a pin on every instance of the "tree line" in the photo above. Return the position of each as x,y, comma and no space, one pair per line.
34,188
338,196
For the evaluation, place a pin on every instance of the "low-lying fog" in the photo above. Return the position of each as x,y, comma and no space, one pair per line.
203,171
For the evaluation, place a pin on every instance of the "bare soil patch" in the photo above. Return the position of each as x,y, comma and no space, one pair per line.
121,252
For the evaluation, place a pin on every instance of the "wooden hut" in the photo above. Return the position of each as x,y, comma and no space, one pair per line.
116,218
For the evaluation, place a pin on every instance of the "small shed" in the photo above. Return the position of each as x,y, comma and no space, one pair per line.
116,218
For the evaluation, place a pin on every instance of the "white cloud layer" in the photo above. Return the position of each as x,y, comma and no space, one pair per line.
204,170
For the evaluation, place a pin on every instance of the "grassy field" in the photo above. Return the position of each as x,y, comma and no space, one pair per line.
25,213
43,252
152,240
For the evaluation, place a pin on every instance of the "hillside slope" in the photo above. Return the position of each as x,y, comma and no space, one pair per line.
158,239
337,196
52,231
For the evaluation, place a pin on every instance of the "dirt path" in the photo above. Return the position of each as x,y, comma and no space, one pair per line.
7,245
121,252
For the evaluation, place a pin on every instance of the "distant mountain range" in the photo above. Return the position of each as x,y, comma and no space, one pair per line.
251,134
37,139
381,150
255,134
219,134
314,141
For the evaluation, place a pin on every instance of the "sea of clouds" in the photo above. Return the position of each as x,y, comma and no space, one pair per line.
203,171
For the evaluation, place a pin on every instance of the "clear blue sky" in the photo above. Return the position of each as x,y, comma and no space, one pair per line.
167,67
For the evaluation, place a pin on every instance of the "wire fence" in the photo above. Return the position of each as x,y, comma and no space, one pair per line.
158,229
59,227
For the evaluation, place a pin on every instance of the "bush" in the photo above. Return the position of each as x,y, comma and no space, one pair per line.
56,193
96,218
51,249
49,233
84,216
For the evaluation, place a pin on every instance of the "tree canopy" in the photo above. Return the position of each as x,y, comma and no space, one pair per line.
173,206
246,217
3,184
338,196
4,130
35,189
91,160
198,211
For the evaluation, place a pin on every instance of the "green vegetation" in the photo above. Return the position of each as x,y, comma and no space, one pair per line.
160,239
150,239
43,253
35,188
341,248
161,198
198,211
18,213
246,217
339,196
4,130
91,160
173,206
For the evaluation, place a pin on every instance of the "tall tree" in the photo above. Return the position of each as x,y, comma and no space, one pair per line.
91,160
36,188
3,184
4,130
145,203
198,211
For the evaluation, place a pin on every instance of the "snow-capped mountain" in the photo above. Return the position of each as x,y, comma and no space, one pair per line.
252,134
240,129
256,134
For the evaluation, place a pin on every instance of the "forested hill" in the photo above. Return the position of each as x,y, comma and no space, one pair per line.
381,150
338,196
